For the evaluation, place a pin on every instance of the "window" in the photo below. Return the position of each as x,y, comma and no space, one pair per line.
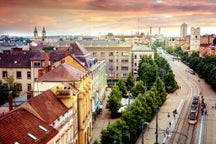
94,54
110,53
19,87
125,54
135,56
124,74
124,60
124,68
37,64
29,87
18,75
28,75
4,74
102,53
110,60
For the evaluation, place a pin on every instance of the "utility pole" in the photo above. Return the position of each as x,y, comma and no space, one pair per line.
129,100
156,132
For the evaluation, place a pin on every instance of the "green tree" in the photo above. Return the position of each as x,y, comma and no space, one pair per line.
122,86
3,93
114,101
138,88
130,81
48,48
117,131
12,85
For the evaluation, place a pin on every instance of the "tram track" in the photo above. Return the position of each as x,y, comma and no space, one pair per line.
184,133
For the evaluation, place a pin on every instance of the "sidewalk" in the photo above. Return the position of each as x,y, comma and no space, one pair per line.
102,120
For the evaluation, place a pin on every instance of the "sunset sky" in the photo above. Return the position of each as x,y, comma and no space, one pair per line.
91,17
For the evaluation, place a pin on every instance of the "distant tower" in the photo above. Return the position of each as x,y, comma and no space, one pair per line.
159,30
195,39
35,33
150,31
43,34
183,30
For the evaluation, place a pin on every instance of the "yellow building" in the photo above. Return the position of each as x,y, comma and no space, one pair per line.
68,75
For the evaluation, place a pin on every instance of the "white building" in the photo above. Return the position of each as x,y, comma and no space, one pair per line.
195,39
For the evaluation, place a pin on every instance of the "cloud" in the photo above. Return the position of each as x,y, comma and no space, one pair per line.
83,16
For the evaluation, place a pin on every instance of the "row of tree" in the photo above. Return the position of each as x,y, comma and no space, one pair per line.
150,91
205,67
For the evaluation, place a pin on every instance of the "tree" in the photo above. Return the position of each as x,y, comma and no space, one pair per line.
117,131
114,101
129,81
3,93
138,88
12,86
171,84
48,48
122,87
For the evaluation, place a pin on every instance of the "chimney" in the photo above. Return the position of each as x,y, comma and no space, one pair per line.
67,53
10,101
29,94
46,61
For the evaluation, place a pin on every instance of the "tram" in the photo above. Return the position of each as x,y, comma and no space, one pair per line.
194,110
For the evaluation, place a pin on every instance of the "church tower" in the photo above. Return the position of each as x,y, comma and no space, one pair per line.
35,33
43,32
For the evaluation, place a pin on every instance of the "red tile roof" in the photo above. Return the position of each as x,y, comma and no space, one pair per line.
47,106
63,73
15,126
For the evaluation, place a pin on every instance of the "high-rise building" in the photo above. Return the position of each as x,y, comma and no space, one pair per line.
183,30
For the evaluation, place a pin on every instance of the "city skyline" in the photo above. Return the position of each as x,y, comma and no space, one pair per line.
94,17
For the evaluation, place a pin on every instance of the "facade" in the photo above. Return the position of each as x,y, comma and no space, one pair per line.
27,66
183,30
195,39
117,57
71,76
138,51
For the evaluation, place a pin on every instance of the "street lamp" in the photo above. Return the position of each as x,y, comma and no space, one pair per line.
156,132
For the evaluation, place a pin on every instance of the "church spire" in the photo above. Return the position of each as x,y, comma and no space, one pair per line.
35,33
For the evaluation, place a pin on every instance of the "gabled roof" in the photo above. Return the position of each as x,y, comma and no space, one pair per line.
47,106
16,60
19,125
63,73
78,50
82,54
23,58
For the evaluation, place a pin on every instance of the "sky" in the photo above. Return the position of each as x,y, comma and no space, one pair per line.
94,17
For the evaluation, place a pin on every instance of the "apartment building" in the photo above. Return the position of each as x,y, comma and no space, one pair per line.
118,58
